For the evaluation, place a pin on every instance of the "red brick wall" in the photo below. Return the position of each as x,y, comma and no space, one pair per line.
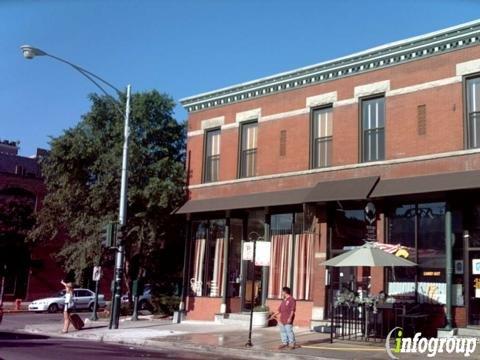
444,119
203,308
44,280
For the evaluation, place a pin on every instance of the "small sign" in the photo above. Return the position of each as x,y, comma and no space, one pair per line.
476,266
370,222
262,254
247,253
97,273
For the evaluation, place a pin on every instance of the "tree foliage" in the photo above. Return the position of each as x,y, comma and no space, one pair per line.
82,175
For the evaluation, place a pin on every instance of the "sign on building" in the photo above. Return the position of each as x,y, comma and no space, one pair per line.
247,253
262,252
97,273
262,256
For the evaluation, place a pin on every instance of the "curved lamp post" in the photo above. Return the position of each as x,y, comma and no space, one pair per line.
29,52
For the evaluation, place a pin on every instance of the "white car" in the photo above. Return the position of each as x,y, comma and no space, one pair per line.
84,300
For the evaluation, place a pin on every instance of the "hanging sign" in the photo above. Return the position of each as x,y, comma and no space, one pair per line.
262,253
476,266
97,273
371,222
247,253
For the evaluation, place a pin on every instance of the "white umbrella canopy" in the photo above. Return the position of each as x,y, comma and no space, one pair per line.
367,255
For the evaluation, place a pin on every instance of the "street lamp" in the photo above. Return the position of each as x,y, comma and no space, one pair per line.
29,52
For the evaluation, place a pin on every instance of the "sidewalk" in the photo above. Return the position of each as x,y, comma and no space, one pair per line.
226,340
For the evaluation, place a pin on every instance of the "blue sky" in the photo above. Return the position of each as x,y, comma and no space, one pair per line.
182,47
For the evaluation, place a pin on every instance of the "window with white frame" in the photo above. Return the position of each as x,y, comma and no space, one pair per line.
322,137
212,156
473,112
373,129
248,151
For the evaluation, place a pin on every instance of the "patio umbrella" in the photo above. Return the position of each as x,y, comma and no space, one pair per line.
367,255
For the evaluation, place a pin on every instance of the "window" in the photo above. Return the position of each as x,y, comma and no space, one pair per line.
208,246
417,232
322,138
248,152
373,129
292,255
473,113
212,156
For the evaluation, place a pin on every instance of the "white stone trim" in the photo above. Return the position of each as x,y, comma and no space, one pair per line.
424,86
284,115
345,102
195,133
322,99
371,89
253,114
341,167
230,126
468,67
212,123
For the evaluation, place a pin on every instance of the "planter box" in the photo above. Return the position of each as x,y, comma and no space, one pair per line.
260,319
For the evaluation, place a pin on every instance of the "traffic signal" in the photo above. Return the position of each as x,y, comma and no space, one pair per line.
108,235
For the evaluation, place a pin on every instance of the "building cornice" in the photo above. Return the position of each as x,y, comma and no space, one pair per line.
395,53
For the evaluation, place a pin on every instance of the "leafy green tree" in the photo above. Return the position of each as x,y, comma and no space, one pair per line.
82,175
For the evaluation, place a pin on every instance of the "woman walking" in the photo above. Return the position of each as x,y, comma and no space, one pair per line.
68,307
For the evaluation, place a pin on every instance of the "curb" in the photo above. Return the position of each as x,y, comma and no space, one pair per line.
234,353
15,311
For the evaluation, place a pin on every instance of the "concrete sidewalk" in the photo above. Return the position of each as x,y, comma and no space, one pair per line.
226,340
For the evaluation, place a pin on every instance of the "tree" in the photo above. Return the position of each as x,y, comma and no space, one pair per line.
82,175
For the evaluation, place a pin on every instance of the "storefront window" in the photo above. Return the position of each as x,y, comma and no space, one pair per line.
208,247
417,232
291,256
348,228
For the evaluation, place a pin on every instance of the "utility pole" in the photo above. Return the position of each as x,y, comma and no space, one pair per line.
122,220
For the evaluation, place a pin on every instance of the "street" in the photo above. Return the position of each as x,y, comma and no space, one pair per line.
15,345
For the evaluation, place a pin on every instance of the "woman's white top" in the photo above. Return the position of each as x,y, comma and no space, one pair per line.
68,299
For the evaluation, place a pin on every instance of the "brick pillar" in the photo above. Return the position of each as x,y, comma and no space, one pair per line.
319,289
378,273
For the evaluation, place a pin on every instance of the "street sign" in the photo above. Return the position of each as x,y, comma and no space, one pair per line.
262,253
247,253
97,273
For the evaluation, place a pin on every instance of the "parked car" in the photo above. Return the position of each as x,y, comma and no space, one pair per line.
144,300
84,300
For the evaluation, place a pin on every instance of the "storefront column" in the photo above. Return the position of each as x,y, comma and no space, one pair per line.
223,307
319,285
266,269
186,268
377,280
449,266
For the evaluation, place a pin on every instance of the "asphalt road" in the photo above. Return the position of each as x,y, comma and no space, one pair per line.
15,345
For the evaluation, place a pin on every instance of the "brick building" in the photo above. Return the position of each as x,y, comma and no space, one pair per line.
31,272
296,157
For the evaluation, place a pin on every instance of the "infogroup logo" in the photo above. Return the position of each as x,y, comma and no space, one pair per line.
429,346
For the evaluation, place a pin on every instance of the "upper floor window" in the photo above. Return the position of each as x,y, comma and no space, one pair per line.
322,138
473,112
373,129
212,156
248,150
